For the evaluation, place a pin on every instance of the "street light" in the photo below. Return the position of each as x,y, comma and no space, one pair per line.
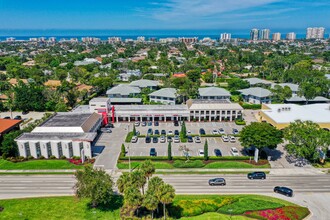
129,159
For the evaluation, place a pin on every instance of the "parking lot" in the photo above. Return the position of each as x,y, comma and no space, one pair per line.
141,148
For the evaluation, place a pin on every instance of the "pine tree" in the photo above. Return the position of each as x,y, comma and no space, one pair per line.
206,151
169,151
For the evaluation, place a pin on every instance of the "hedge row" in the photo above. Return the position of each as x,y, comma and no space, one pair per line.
251,106
162,158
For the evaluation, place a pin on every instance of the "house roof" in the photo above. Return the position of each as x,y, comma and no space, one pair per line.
53,83
303,99
143,83
123,89
14,81
293,87
254,81
179,75
7,124
165,92
213,91
125,100
256,91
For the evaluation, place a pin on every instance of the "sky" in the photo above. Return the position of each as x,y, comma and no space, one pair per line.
162,15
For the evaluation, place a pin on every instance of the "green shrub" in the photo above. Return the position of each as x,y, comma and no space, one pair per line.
52,157
129,137
123,151
41,157
160,158
240,122
30,157
76,157
188,164
251,106
63,157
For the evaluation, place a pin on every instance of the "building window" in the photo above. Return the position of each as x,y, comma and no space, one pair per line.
218,112
38,150
207,112
191,112
59,149
228,112
223,112
93,105
234,112
49,150
212,112
102,105
202,112
27,149
70,149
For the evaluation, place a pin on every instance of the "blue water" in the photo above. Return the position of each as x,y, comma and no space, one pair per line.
124,34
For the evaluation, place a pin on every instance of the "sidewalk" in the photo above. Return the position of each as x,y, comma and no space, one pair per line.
38,171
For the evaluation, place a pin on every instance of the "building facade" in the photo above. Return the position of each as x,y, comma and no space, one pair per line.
315,33
291,36
276,36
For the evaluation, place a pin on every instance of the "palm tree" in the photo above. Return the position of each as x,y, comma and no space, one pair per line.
150,202
148,168
153,187
123,181
132,198
138,180
166,195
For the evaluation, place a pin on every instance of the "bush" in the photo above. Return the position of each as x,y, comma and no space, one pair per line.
63,157
129,137
240,122
188,164
76,157
251,106
30,157
52,157
182,158
41,157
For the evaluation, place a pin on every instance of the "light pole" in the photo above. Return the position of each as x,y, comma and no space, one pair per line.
129,159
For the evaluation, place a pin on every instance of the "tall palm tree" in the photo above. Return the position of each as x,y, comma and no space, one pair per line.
151,202
132,198
166,195
148,168
138,180
123,181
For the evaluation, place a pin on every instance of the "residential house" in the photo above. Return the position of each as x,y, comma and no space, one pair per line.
165,96
256,95
123,91
213,93
145,83
257,81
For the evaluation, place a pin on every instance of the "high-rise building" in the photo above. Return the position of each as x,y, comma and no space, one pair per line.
112,40
276,36
291,36
254,34
225,37
315,33
264,34
188,40
10,39
52,39
141,39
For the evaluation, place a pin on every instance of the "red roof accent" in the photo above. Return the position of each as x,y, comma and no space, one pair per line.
7,124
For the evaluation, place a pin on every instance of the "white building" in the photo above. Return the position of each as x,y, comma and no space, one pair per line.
254,34
165,96
291,36
225,37
213,93
315,33
276,36
256,95
264,35
100,104
63,134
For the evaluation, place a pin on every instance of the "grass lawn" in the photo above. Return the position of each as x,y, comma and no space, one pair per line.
135,164
38,165
215,216
325,165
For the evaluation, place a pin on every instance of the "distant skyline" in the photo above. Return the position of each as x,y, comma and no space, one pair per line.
164,15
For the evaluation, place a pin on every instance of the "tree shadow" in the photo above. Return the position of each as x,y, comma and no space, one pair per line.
116,203
274,153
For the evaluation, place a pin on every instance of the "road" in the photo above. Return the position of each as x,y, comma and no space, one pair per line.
312,191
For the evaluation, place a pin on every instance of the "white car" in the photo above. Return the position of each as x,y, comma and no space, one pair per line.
170,132
137,124
134,139
201,153
234,151
197,139
188,132
222,131
176,139
214,131
162,139
232,139
225,138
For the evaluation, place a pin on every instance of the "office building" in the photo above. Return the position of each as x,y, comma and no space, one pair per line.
254,34
291,36
264,34
276,36
315,33
225,37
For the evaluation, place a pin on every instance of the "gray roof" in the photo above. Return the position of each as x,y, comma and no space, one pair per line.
125,100
197,104
165,92
256,91
57,136
81,109
143,83
99,99
254,81
303,99
67,119
123,89
213,91
293,87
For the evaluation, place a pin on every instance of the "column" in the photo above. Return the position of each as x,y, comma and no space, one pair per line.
117,118
140,118
199,117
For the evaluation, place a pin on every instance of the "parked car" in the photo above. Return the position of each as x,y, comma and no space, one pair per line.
190,139
201,152
176,123
176,132
153,152
149,123
234,151
232,139
176,139
225,138
156,132
163,132
257,175
188,132
283,190
134,139
18,117
222,131
235,131
137,123
149,131
156,123
197,139
217,181
217,152
162,139
215,131
169,139
201,131
25,112
148,139
170,132
144,123
7,117
155,140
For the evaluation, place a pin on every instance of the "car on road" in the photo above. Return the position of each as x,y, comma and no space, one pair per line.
163,132
201,152
134,139
232,139
137,124
201,131
222,131
225,138
283,190
156,123
149,123
217,181
169,139
162,139
18,117
215,131
156,132
176,139
170,132
235,131
144,124
234,151
217,152
148,139
176,123
197,139
153,152
257,175
190,139
176,132
155,140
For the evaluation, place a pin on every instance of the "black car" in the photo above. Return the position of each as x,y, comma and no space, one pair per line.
190,139
110,125
149,131
163,132
217,152
153,152
18,117
169,139
148,139
156,132
156,123
283,190
176,132
176,123
155,140
235,131
257,175
7,117
217,181
201,131
25,112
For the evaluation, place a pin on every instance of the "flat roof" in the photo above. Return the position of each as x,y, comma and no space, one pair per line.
57,136
213,91
7,124
213,105
81,109
68,119
99,99
256,91
150,107
286,113
125,100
